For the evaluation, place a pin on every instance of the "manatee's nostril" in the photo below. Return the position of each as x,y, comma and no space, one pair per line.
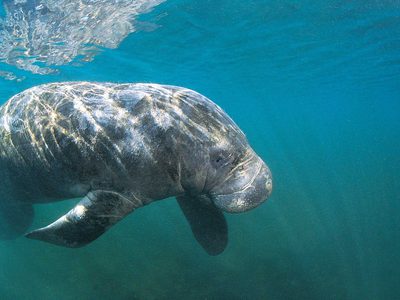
268,185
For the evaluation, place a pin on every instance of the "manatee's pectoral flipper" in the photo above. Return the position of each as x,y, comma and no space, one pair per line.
15,219
207,222
89,219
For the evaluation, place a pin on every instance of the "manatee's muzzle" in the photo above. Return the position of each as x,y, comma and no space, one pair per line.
253,186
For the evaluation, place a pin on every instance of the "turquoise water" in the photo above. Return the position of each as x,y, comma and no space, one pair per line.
315,85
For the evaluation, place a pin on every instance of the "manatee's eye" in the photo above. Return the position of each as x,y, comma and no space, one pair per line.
220,158
219,161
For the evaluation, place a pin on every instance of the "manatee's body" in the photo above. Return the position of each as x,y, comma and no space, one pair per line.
122,146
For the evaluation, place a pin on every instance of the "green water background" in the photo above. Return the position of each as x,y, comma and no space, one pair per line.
315,85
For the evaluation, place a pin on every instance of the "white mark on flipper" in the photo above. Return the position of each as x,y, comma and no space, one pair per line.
79,211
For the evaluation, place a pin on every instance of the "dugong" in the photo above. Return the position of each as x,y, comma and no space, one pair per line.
121,147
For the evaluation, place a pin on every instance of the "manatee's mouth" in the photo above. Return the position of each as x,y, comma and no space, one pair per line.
249,194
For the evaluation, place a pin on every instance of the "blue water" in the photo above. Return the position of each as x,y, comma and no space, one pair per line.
315,85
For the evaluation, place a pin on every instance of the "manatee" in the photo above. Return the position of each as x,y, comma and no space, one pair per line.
120,147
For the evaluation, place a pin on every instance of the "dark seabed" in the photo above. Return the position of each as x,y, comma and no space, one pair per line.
315,85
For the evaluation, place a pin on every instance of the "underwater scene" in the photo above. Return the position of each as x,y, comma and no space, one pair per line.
313,85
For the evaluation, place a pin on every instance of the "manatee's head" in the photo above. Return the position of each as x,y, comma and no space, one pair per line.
217,161
239,179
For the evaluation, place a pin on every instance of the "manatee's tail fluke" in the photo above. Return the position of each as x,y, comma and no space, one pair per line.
15,219
89,219
207,222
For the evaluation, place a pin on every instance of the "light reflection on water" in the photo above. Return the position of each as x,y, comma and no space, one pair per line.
38,35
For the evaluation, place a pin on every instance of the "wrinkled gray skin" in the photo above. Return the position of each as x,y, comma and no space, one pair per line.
120,147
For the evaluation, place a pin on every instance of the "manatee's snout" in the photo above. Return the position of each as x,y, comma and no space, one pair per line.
247,186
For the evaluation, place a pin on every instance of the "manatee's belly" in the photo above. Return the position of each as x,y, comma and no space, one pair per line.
53,170
43,183
50,169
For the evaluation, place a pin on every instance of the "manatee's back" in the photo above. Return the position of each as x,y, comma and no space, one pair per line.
62,134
